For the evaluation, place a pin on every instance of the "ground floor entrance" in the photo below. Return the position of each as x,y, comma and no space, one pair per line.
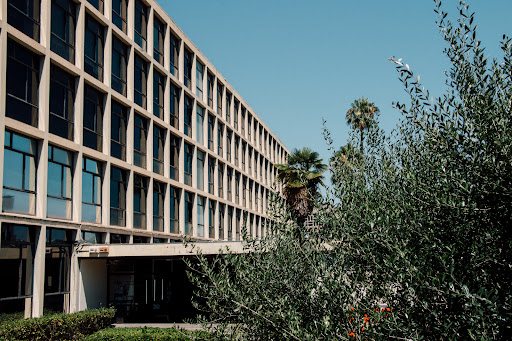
149,290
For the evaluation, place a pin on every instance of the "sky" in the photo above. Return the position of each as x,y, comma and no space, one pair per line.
296,62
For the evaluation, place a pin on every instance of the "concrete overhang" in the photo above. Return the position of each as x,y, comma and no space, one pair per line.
158,250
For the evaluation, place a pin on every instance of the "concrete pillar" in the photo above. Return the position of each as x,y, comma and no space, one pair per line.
39,268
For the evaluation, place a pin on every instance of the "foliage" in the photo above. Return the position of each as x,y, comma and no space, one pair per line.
345,159
421,225
361,116
145,334
58,326
301,177
11,317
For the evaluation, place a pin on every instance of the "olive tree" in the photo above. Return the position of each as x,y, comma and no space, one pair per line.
415,238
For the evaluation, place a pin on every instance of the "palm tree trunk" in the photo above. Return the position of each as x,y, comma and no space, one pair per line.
361,140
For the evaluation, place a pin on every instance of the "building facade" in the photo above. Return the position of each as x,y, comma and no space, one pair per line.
117,136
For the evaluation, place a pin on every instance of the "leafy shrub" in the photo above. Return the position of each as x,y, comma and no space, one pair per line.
11,317
58,326
143,334
419,223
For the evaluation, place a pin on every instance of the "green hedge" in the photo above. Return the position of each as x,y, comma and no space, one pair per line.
4,318
59,326
143,334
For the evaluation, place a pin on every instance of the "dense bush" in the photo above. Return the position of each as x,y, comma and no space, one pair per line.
144,334
11,317
420,224
59,326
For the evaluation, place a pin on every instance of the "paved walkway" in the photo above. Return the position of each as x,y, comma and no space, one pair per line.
186,326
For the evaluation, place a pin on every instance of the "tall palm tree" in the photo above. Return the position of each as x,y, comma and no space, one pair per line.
301,177
361,115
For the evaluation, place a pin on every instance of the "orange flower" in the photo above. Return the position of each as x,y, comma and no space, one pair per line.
366,318
352,334
362,329
352,308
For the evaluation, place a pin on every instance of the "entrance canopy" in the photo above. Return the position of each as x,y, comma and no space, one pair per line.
158,250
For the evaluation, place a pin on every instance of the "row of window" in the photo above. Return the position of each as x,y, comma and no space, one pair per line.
19,191
63,41
22,105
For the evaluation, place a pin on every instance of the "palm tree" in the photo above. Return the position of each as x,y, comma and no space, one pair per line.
301,177
348,155
348,158
361,116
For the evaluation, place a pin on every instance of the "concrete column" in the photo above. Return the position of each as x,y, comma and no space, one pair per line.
151,24
149,146
74,279
193,78
181,220
42,179
29,276
167,93
167,44
107,9
3,15
181,110
149,206
194,217
129,201
3,71
79,39
39,268
215,234
105,195
205,85
181,64
107,53
76,214
167,209
194,166
45,32
130,13
130,75
215,94
149,90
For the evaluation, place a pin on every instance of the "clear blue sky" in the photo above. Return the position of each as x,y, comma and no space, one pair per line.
296,61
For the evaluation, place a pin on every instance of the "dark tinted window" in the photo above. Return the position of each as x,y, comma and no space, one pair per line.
140,82
93,118
139,141
141,24
119,64
158,42
175,54
119,123
93,61
118,182
63,29
158,94
175,104
62,99
119,14
25,16
22,84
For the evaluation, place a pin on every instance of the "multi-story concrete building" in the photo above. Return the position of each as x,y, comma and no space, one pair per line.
117,136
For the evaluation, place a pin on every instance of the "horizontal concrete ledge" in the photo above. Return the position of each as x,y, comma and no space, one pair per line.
158,250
